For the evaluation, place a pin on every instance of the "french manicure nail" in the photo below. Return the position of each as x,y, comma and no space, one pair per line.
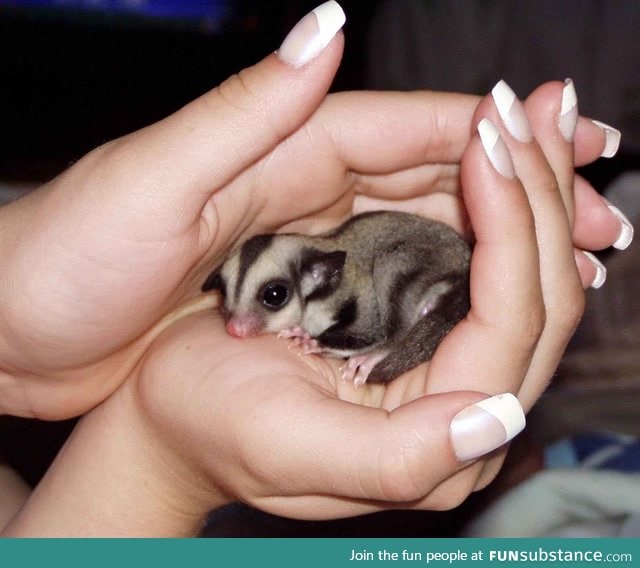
612,139
568,117
626,229
312,34
512,112
496,149
601,271
486,425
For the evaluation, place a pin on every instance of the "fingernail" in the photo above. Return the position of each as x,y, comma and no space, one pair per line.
568,117
626,229
601,271
612,139
496,149
512,112
312,34
486,425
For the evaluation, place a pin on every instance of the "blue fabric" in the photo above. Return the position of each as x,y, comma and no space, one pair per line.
595,450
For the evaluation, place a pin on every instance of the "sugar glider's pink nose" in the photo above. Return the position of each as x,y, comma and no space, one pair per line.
244,325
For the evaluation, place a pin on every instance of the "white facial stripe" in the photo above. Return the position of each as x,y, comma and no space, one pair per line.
273,264
267,268
285,318
230,275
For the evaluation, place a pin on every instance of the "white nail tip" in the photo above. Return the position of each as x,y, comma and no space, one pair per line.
331,18
511,111
569,97
495,148
601,271
489,424
507,409
612,139
312,34
568,117
503,96
626,229
488,134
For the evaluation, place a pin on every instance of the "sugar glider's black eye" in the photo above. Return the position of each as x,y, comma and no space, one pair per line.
275,295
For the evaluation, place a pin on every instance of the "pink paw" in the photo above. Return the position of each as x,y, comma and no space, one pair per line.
295,332
358,367
300,338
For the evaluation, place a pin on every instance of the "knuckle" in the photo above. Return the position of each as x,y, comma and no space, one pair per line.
453,492
402,471
569,312
534,321
244,94
237,92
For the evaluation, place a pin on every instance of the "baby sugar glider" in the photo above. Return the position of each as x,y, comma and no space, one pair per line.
383,289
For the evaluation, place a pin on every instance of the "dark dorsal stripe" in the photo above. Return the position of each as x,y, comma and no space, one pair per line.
249,253
338,336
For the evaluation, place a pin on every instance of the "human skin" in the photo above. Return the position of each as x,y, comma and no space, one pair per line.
109,257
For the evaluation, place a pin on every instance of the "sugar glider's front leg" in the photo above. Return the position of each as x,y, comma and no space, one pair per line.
358,367
301,338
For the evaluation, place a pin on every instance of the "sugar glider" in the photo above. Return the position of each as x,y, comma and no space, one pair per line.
383,289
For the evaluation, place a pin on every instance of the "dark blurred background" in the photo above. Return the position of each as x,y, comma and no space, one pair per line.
76,73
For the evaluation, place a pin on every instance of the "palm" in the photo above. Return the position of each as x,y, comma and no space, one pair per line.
229,391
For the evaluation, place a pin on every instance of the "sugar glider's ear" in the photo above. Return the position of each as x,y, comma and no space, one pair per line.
214,281
319,270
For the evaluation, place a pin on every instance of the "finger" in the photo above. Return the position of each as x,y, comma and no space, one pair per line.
390,131
368,457
593,140
548,182
377,134
491,349
598,225
593,273
409,183
552,110
354,137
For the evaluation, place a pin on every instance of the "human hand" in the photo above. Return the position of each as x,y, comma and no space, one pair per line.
95,262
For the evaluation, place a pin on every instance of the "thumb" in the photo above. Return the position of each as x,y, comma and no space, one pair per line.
182,159
357,459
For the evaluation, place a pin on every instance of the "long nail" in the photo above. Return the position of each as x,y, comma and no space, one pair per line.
601,271
626,229
612,139
496,149
568,117
485,426
312,34
512,112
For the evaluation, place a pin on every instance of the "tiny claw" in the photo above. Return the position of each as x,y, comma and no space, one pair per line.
358,368
312,347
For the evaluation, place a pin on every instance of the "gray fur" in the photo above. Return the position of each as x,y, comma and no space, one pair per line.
397,268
